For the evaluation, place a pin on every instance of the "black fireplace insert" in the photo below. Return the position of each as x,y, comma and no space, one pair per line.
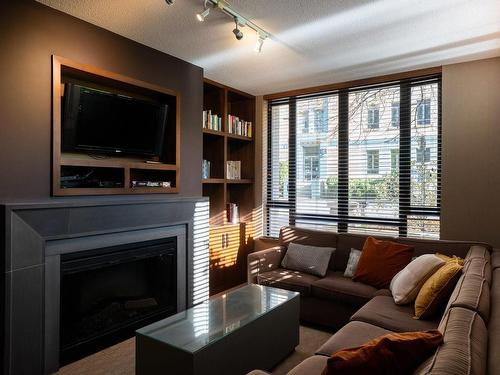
107,293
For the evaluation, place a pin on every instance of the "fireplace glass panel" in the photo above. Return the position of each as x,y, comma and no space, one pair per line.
108,293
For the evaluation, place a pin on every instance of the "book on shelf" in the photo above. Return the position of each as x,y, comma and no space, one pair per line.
211,121
239,127
233,169
205,170
232,213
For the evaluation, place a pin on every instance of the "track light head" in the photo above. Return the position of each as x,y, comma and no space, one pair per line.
236,31
201,16
260,43
169,2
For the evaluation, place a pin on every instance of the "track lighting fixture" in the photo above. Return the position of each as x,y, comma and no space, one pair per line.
260,43
201,16
236,31
239,20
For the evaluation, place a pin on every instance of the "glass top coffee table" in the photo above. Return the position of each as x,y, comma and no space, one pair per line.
249,327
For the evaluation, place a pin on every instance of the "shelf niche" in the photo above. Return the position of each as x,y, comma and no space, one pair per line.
162,168
229,243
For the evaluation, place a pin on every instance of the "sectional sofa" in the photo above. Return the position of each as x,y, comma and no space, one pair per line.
470,322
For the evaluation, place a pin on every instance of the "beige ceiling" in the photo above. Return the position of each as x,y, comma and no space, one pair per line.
313,42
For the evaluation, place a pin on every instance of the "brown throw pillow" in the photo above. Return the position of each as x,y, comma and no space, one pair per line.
380,261
394,353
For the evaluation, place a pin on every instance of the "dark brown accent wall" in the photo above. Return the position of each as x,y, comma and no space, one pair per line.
470,203
30,33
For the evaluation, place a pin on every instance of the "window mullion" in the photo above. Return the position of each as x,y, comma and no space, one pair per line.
404,156
292,157
343,161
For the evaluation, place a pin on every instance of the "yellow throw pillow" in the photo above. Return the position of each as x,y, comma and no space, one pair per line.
437,289
453,258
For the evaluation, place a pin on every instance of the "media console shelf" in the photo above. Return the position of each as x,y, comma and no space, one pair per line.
112,174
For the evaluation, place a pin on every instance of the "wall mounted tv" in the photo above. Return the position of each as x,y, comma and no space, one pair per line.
96,121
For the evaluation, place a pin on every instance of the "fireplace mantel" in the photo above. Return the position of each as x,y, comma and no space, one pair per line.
34,235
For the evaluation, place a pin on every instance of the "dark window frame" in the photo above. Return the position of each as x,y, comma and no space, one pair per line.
342,218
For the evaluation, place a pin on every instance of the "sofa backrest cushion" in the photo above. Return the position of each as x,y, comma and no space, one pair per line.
465,346
309,237
480,267
477,251
494,325
472,292
346,241
495,259
343,242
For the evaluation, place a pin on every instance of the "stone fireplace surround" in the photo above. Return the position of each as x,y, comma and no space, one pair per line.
34,236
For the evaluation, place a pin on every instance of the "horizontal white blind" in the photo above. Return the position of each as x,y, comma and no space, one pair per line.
363,160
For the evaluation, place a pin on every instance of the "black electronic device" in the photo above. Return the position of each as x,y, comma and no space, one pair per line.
99,121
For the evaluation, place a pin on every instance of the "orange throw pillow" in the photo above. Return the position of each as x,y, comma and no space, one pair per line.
394,353
380,261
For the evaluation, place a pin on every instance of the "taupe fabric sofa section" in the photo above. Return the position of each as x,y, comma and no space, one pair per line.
332,300
470,323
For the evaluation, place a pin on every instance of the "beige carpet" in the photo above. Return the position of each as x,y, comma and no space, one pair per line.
120,359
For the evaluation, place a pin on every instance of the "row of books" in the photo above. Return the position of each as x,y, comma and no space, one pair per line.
239,127
212,122
233,169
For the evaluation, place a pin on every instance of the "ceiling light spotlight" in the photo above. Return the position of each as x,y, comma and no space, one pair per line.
169,2
201,16
260,43
236,31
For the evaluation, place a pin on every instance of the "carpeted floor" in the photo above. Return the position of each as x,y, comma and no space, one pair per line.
120,359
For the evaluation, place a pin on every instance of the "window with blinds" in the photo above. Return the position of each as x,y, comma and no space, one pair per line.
359,160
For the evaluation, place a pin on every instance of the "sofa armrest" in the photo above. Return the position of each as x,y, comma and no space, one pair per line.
383,292
263,261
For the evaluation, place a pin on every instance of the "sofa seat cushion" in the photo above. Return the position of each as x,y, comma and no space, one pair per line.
311,366
351,335
464,349
288,279
334,286
383,312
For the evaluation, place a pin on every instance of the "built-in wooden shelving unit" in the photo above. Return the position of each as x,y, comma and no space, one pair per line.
229,242
118,172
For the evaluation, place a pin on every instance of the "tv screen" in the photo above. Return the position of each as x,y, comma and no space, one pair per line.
103,122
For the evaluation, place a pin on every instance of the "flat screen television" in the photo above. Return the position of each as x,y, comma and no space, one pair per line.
98,121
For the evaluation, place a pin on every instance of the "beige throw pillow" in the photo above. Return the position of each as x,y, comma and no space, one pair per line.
407,282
